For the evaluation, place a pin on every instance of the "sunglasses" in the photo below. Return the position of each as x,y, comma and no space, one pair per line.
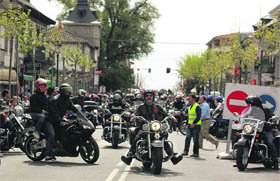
149,95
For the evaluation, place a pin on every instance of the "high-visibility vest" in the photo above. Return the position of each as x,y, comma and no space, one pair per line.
192,114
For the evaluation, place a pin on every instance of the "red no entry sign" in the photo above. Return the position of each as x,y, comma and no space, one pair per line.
236,101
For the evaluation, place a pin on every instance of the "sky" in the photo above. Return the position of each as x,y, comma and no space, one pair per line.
184,27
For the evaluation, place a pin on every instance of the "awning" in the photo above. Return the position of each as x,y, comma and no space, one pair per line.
4,82
4,75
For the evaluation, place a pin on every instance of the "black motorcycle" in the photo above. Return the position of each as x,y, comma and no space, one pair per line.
252,147
12,130
149,148
115,129
72,137
218,126
181,124
93,112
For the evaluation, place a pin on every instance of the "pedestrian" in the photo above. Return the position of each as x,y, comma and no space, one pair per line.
205,124
193,127
6,97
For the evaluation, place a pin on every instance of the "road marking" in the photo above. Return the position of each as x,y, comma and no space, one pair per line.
126,171
120,164
236,102
112,175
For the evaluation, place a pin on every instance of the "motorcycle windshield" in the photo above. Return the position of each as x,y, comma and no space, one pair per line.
253,115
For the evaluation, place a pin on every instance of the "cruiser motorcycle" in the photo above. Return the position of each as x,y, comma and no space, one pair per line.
150,147
251,147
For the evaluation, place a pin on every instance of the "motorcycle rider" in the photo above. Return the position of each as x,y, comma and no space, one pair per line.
211,102
38,105
5,97
179,102
149,111
257,102
80,98
57,109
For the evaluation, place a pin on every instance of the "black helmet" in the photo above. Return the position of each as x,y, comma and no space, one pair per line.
65,90
117,99
254,101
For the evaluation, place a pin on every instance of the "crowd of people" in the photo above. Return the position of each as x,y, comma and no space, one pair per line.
54,102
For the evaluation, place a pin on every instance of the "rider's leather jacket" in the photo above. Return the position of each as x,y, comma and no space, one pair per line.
153,112
38,102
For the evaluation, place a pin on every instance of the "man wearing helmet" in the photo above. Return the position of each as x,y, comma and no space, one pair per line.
80,98
57,109
149,111
257,102
38,105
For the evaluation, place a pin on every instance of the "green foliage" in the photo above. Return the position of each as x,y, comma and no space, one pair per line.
13,21
127,32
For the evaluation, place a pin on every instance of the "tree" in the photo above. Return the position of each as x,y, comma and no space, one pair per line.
266,39
127,32
75,57
14,22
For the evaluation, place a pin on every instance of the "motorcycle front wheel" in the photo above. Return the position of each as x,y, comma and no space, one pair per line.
115,139
32,154
183,127
242,158
157,160
89,151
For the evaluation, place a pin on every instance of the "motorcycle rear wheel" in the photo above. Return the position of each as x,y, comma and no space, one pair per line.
89,151
30,153
242,158
157,160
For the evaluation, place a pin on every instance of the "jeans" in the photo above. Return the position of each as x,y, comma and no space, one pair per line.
269,139
39,118
49,130
192,132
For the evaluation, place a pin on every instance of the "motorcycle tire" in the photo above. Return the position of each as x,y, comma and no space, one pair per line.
242,158
267,165
183,127
89,151
157,160
115,139
31,155
147,165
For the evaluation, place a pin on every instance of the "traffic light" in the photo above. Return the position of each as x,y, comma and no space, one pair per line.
149,70
168,70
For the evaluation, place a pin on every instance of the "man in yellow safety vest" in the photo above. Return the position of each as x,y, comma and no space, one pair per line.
193,127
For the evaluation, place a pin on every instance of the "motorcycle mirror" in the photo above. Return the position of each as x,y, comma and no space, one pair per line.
235,114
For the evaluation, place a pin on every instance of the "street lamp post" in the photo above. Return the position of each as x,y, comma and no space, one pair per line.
57,58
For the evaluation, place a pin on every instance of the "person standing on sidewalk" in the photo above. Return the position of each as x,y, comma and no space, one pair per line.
193,127
205,118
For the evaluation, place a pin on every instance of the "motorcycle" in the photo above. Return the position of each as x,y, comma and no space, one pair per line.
93,112
218,126
12,130
115,128
251,147
149,148
181,121
73,137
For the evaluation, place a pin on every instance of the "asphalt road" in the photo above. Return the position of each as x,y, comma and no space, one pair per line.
15,166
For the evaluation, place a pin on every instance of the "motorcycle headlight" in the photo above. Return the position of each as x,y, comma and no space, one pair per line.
116,118
248,129
95,111
156,126
146,127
